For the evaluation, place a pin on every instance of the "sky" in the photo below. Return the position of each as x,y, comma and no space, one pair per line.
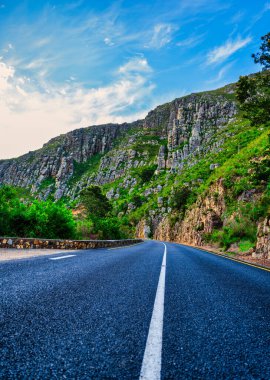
70,64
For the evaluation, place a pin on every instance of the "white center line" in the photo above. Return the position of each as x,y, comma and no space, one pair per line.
61,257
151,365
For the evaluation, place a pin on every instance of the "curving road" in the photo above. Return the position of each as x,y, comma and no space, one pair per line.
151,311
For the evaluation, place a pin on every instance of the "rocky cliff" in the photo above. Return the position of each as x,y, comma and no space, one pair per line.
202,218
52,166
184,173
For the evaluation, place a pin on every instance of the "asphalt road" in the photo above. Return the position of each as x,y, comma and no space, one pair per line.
134,312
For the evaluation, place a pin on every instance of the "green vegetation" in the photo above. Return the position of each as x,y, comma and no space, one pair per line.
24,217
82,168
263,56
50,181
180,199
147,173
95,202
253,92
99,221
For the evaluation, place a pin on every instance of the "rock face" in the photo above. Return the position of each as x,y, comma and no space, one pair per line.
154,153
193,122
201,219
55,161
183,129
263,240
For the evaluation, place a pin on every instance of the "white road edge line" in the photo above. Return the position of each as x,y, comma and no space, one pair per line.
125,246
61,257
151,365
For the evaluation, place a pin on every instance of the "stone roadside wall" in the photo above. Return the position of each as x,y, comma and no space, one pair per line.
25,243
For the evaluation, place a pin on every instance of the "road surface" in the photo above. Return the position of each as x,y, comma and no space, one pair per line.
151,311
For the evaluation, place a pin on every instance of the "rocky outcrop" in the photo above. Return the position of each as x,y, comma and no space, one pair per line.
56,159
143,230
185,126
263,240
161,159
193,122
201,219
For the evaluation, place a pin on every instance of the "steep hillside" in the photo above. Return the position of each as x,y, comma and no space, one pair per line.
49,169
192,171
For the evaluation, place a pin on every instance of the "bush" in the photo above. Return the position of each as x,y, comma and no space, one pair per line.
43,219
240,229
109,228
147,173
180,198
50,220
95,202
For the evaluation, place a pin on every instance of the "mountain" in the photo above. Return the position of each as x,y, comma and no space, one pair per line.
193,171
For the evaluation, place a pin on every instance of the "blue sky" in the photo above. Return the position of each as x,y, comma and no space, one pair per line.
69,64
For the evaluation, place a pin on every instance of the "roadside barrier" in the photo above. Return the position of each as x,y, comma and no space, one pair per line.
31,243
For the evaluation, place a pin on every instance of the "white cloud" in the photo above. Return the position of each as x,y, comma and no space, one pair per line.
237,17
191,41
138,64
221,53
32,113
42,42
8,48
108,41
161,35
6,75
221,73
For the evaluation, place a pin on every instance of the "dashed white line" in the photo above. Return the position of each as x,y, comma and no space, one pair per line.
61,257
151,365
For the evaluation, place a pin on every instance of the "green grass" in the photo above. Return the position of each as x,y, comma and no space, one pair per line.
245,245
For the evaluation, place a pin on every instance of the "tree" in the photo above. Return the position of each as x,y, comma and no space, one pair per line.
95,202
180,198
147,173
98,208
263,57
253,92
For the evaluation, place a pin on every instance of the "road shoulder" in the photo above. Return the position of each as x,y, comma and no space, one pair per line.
18,254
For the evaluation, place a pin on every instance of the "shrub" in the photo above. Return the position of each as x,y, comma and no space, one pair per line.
180,198
95,202
44,219
147,173
109,228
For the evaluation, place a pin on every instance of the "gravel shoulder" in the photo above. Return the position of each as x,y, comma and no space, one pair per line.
17,254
